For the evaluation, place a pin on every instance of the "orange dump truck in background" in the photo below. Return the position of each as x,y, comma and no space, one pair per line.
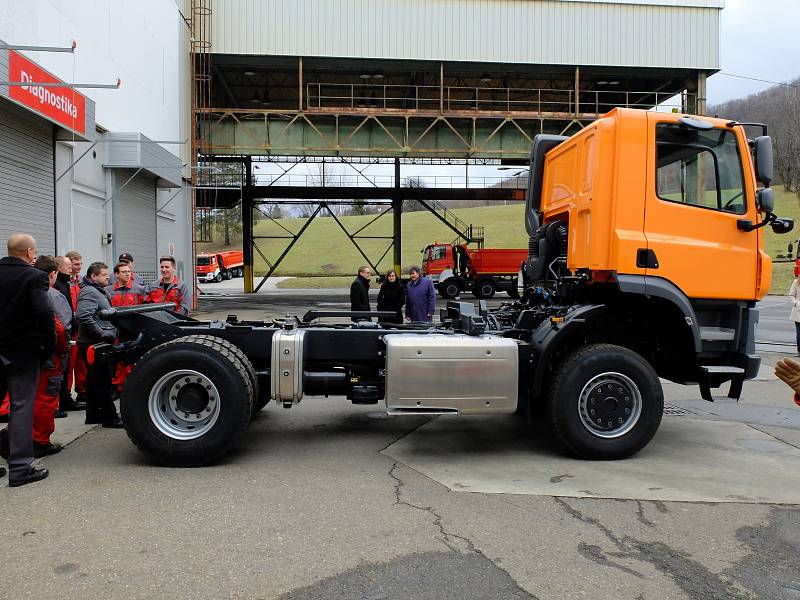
219,266
455,268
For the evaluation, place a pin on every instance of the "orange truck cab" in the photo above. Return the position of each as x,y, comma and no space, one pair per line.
219,266
483,271
650,225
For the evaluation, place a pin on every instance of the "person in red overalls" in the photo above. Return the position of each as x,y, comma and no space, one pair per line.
169,288
78,371
127,257
124,292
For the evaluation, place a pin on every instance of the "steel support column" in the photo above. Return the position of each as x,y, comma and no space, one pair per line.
247,225
397,216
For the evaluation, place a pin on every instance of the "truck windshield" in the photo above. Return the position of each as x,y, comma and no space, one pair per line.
700,168
438,252
203,261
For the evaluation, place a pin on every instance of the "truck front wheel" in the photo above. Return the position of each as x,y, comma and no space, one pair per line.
485,288
605,402
218,277
449,288
187,401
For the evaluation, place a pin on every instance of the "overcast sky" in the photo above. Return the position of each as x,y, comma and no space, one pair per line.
760,39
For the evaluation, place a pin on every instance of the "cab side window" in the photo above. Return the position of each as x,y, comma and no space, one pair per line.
439,252
699,168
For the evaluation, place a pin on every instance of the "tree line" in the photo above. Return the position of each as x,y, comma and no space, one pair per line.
779,108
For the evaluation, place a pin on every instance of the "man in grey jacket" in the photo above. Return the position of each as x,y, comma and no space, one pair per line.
93,330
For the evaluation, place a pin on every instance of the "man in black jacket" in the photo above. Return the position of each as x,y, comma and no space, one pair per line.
92,329
359,292
27,338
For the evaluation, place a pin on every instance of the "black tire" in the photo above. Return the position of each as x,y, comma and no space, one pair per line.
605,427
238,272
259,401
226,274
218,278
485,288
449,288
210,358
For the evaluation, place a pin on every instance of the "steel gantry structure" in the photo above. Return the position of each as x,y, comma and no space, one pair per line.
250,104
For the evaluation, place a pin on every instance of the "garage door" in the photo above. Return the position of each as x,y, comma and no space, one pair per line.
135,222
27,197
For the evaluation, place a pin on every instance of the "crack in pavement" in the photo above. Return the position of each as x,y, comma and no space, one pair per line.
398,483
439,524
595,554
692,577
591,521
642,517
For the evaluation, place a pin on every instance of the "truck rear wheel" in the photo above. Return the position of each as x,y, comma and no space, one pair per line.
605,402
227,274
485,288
449,288
187,401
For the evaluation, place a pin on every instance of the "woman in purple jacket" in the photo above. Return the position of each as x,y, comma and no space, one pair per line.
420,297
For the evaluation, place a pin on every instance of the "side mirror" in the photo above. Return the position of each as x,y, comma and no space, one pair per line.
763,159
766,200
782,226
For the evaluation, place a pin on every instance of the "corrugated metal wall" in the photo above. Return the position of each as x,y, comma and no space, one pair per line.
135,221
27,193
510,31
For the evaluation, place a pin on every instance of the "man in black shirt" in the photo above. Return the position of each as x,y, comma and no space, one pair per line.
359,292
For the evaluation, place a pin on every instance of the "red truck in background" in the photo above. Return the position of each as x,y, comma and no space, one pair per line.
455,268
219,266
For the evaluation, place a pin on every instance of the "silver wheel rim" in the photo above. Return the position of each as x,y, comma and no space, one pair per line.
610,405
184,404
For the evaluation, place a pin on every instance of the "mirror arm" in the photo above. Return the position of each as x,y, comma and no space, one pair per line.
747,226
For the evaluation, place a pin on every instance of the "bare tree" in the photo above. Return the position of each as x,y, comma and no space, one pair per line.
779,108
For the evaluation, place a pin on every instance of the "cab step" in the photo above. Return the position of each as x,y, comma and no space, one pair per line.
713,376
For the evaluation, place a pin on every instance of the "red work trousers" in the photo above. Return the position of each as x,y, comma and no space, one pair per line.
45,405
77,372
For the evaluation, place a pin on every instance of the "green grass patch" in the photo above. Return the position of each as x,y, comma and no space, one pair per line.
324,256
786,205
317,283
325,250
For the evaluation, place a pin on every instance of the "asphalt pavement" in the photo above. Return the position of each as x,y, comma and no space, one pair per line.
330,500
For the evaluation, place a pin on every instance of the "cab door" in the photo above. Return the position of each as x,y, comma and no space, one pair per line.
697,193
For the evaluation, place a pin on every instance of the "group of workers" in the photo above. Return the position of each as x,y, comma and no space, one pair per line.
50,315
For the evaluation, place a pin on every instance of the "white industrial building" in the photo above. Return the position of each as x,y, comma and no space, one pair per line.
112,180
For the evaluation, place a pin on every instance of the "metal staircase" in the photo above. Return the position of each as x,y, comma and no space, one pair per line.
467,234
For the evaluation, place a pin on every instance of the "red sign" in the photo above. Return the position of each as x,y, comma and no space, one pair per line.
61,104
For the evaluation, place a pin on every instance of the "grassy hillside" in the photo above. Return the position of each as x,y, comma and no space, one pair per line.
325,250
786,205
